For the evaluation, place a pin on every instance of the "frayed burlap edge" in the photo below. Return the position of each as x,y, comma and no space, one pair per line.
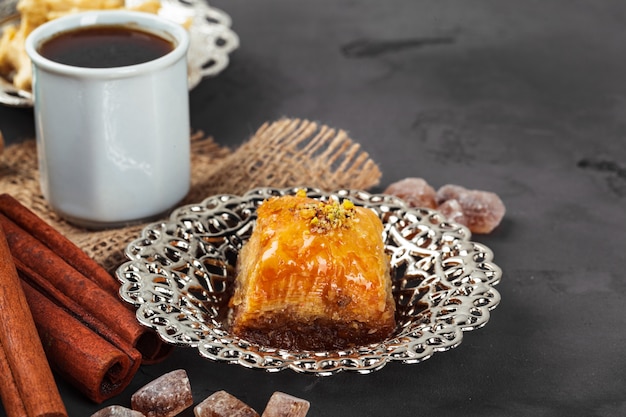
284,153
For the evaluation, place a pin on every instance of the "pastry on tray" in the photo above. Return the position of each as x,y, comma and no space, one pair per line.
313,276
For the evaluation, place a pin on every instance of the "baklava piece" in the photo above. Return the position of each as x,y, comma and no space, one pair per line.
313,276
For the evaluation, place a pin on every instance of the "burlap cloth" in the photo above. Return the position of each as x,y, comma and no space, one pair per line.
284,153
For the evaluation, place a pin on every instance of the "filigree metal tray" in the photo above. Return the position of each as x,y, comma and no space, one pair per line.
211,40
180,274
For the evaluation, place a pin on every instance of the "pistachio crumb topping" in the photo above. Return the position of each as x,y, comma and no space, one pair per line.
325,216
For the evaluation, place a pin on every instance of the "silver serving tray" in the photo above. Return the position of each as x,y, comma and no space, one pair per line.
180,274
210,35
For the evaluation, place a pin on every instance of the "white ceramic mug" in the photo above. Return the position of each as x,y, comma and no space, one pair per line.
113,143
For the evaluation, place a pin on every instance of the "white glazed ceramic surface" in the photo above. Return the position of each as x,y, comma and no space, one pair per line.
113,143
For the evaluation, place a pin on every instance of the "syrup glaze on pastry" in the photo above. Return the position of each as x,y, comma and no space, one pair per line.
313,276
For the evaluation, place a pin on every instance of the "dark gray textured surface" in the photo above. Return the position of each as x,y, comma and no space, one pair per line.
526,99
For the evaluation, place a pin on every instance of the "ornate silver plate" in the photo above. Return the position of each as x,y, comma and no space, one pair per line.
180,274
210,35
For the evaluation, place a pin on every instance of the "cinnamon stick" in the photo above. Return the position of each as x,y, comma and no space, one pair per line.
99,369
91,337
13,404
29,253
79,322
38,244
61,245
74,339
29,375
51,317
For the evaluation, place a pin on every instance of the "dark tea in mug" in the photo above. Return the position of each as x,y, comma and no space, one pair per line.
105,46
